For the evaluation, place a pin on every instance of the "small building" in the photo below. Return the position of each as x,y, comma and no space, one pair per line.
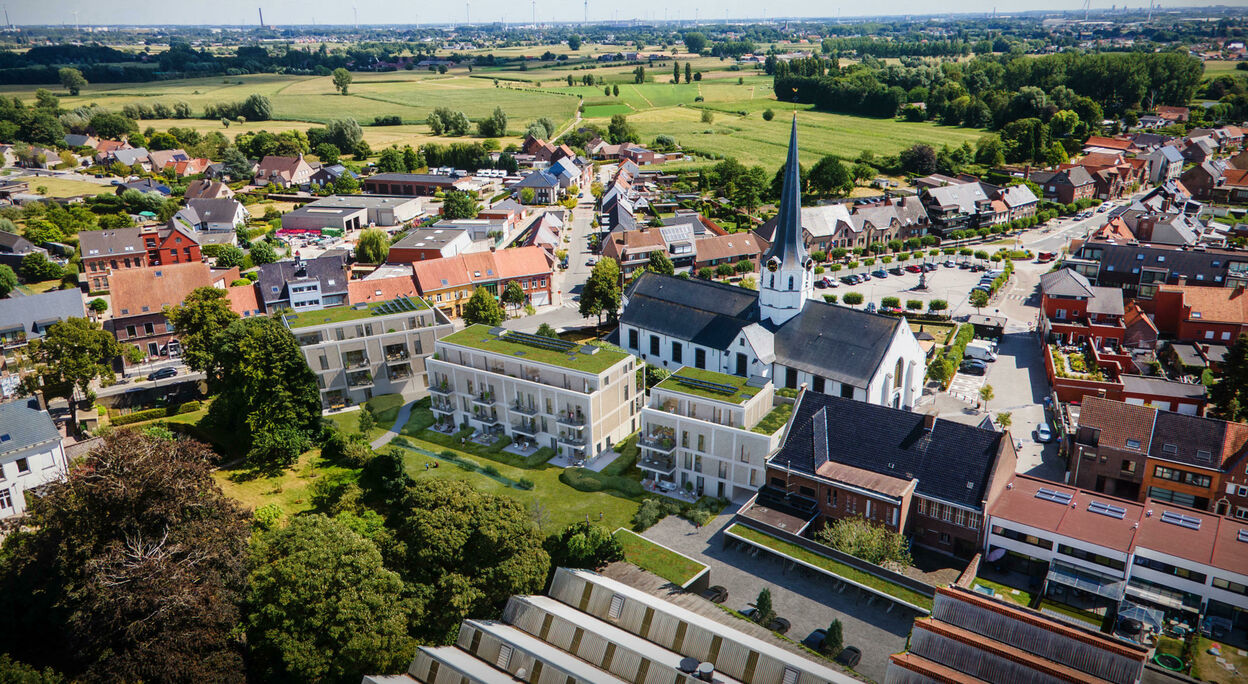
419,244
413,184
1075,311
284,172
304,284
31,454
211,215
448,283
207,189
338,214
987,327
579,400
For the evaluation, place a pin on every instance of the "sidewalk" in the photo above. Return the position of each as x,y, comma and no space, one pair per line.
404,413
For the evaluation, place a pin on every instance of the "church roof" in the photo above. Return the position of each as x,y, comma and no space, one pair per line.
787,245
835,342
699,311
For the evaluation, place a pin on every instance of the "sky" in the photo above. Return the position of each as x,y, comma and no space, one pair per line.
218,12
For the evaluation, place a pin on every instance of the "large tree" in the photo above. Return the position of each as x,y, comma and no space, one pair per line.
321,607
130,570
199,321
268,394
1229,393
583,545
342,80
661,263
462,552
72,80
8,280
601,294
459,205
830,177
72,354
513,294
483,308
373,246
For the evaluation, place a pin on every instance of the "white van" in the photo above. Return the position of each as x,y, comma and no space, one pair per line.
980,349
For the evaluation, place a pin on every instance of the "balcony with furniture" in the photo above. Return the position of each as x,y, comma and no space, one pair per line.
486,398
572,439
569,419
355,359
441,387
523,409
660,441
525,428
396,352
360,379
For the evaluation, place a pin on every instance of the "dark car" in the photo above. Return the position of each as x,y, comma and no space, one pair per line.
866,277
973,367
778,624
162,374
896,270
715,594
964,265
929,267
815,641
849,656
880,273
821,283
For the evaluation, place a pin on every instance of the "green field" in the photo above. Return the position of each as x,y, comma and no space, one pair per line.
660,560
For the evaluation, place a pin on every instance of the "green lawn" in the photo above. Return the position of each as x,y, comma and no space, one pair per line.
606,111
647,555
774,420
1023,598
39,287
60,188
478,337
835,567
385,410
290,489
1208,669
1092,620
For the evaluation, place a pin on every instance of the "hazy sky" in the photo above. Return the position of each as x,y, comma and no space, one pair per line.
373,12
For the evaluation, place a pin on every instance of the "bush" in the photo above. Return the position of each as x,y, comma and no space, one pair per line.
268,516
151,414
864,539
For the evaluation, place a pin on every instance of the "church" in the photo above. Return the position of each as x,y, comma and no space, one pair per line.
778,332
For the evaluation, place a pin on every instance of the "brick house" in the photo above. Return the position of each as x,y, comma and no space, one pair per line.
283,171
105,252
1076,310
1065,185
712,250
1212,315
448,283
912,473
140,296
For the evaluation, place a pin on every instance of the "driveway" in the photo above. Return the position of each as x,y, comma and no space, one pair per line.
808,600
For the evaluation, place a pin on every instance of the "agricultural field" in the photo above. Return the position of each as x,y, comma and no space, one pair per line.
1219,67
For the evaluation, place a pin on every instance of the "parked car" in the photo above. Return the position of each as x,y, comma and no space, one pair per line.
715,594
929,267
849,279
964,265
821,283
865,277
1043,433
162,374
778,625
913,268
815,641
880,273
950,263
849,656
973,367
896,270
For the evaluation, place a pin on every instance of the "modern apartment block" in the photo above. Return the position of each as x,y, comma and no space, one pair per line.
711,432
580,400
367,349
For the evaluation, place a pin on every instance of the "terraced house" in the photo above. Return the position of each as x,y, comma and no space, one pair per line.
579,400
368,348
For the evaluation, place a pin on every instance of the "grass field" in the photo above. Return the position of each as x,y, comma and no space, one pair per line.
1219,67
660,560
58,187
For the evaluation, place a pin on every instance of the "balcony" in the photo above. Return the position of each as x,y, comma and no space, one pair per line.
397,352
524,410
442,407
399,371
576,422
442,390
572,440
525,429
661,466
662,444
484,399
355,359
486,420
364,379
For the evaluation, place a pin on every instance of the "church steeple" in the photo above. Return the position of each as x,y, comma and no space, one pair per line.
788,278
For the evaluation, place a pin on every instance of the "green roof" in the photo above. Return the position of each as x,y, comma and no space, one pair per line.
341,314
478,337
741,392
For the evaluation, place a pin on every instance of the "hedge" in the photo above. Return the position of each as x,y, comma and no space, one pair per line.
150,414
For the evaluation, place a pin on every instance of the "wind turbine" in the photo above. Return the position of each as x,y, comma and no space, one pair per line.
533,6
468,11
586,11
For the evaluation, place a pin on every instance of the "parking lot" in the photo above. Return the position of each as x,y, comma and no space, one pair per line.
951,284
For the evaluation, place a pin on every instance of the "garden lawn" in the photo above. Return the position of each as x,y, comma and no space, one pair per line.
39,287
835,567
291,489
1208,669
60,188
1022,598
665,563
385,409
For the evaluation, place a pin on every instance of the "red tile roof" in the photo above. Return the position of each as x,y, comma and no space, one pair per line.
381,289
1214,304
159,286
1119,421
480,267
244,300
1109,143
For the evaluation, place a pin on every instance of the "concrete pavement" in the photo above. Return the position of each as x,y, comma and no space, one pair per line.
405,412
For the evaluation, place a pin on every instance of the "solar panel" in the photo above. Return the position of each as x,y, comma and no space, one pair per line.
1188,521
1053,495
1107,509
551,343
706,385
1242,536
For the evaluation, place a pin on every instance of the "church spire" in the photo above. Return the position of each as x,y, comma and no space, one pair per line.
787,246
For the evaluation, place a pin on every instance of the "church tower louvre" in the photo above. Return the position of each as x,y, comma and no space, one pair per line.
787,278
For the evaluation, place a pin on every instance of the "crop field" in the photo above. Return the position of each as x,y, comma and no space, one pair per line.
1219,67
376,136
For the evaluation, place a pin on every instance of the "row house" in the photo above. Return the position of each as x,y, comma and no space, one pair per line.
1150,558
283,172
1210,315
1075,311
139,299
828,226
1065,185
108,252
379,344
712,250
1107,145
448,283
1138,451
1139,270
709,433
578,400
931,479
304,284
1164,163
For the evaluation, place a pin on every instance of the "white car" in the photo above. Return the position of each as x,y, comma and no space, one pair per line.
1043,433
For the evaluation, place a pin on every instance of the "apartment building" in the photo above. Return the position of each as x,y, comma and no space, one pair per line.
579,400
368,348
710,432
105,252
30,453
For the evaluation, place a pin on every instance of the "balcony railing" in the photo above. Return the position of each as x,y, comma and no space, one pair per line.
486,419
400,355
360,380
663,466
525,429
572,439
524,410
356,361
484,399
441,390
443,408
660,443
572,421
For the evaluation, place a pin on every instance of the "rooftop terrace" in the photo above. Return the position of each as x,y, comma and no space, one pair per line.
706,384
550,351
342,314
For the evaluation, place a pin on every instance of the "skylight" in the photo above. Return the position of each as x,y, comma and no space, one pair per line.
1053,495
1180,519
1107,509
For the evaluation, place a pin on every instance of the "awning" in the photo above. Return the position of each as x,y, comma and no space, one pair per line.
1148,616
1159,595
1086,580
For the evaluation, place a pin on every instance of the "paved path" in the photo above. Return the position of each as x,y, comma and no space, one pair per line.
404,413
808,600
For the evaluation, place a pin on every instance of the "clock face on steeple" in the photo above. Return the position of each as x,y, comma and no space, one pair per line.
810,264
773,264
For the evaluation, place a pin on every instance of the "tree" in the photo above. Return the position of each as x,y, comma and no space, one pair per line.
268,393
262,253
833,639
601,293
483,308
864,539
257,108
493,126
661,263
914,304
342,80
937,305
708,116
764,613
979,299
236,165
546,330
768,115
459,205
230,256
373,246
574,42
1004,418
695,42
36,267
852,298
1229,392
620,131
346,135
200,320
829,176
919,159
131,569
72,80
675,71
462,552
513,294
527,195
639,75
688,73
391,161
322,607
367,420
72,354
8,280
582,545
986,393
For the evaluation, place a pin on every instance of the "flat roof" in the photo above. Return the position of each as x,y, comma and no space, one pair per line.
1024,502
340,314
483,338
703,382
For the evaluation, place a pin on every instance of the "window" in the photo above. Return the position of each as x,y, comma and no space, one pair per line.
1133,444
1227,585
132,331
790,283
148,329
654,345
699,358
945,538
632,337
677,352
1128,467
617,607
6,499
847,390
23,466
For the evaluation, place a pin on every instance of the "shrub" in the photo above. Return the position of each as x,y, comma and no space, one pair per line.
890,302
268,516
151,414
863,539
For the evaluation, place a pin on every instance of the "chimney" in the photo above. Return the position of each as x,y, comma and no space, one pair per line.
929,423
1182,281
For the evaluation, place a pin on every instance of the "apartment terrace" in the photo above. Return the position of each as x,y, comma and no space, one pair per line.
552,351
706,384
343,314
